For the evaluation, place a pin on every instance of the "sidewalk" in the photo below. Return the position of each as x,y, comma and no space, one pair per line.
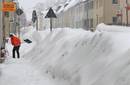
19,72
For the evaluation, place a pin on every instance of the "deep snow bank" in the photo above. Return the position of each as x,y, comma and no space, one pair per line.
112,28
83,58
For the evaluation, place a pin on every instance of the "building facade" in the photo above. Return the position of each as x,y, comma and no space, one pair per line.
75,17
110,12
89,13
124,10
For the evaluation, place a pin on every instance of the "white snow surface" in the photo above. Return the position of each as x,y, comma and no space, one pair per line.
70,3
71,57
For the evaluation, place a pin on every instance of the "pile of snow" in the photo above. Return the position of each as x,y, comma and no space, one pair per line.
79,57
112,28
18,71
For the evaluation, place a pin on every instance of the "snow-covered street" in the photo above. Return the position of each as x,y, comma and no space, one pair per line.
65,42
70,57
20,72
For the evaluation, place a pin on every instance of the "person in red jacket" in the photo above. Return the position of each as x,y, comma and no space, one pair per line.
16,42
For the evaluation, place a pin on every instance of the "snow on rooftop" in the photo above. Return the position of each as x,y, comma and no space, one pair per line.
67,5
71,4
60,9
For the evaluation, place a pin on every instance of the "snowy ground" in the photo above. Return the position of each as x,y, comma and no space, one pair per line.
71,57
19,72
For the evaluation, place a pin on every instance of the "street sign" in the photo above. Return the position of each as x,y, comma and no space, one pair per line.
118,14
50,14
9,7
19,11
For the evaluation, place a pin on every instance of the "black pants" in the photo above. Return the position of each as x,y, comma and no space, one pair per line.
16,48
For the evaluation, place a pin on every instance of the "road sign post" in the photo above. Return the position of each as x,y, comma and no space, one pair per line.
50,24
50,14
19,12
6,8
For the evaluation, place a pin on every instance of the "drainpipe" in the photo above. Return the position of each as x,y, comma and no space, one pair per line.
127,22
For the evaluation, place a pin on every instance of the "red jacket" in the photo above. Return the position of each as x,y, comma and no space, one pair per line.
15,41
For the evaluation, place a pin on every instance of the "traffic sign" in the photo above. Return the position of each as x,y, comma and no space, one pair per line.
50,14
9,7
19,11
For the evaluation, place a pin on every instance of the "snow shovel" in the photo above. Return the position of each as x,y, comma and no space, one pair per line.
28,41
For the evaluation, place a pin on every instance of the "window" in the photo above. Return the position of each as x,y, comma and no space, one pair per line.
90,5
115,1
100,3
114,20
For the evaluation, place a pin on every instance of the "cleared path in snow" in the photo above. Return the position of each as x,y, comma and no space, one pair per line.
20,72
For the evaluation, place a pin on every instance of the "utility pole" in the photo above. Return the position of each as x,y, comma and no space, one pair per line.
3,26
127,13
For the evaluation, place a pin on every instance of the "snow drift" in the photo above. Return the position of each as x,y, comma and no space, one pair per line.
79,57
